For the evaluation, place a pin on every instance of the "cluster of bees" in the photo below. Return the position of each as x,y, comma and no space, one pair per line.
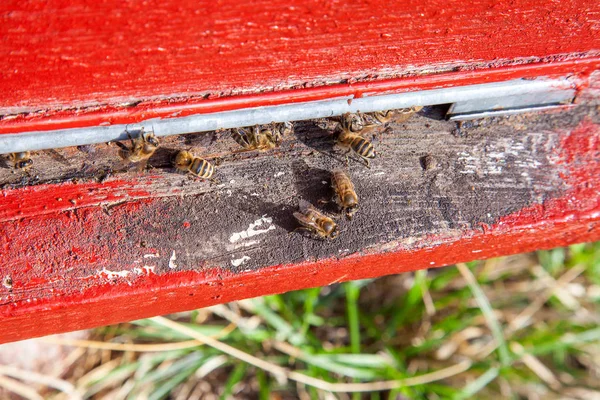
352,127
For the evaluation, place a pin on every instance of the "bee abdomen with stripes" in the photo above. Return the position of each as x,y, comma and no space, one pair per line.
186,161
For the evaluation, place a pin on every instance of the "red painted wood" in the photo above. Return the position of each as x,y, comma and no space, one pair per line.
579,70
77,269
76,63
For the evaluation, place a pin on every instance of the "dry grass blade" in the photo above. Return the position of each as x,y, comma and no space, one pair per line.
536,366
98,373
30,376
521,320
20,389
146,348
487,311
284,373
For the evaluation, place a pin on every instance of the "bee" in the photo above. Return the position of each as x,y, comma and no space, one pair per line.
315,222
377,118
346,196
284,128
186,161
21,160
351,140
257,137
142,148
403,114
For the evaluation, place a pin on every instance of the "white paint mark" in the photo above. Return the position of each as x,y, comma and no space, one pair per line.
432,263
254,194
476,251
251,231
229,193
232,181
324,182
172,260
239,261
278,174
152,255
114,274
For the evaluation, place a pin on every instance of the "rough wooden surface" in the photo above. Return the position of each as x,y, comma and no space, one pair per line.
161,241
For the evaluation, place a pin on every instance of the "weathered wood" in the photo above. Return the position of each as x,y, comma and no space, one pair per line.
89,253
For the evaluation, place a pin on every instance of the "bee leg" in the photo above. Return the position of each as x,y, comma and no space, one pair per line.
214,182
122,146
131,140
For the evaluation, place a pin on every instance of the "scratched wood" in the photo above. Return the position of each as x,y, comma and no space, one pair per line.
136,245
123,59
480,173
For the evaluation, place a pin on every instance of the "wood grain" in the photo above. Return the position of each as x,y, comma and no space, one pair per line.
168,243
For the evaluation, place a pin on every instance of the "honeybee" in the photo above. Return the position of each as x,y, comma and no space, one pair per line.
346,196
257,137
284,128
186,161
315,222
377,118
403,114
21,160
351,140
142,148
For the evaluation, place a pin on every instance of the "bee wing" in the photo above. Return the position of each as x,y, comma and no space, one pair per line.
55,155
304,206
306,222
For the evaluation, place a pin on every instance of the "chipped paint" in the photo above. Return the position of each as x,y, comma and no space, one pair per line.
114,274
172,260
239,261
252,231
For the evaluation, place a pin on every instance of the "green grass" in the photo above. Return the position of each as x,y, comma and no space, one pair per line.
393,328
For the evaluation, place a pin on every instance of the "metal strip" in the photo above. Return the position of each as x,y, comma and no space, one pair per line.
41,140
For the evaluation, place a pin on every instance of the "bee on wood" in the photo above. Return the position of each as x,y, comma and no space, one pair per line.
403,114
142,148
378,118
351,139
186,161
315,222
346,196
284,128
21,160
257,137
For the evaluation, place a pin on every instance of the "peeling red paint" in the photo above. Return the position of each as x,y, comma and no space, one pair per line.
69,292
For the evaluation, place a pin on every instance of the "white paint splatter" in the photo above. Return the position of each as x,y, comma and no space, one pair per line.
172,260
152,255
114,274
239,261
251,231
278,174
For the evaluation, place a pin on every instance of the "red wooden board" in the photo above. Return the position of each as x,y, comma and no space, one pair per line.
99,60
85,254
73,255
